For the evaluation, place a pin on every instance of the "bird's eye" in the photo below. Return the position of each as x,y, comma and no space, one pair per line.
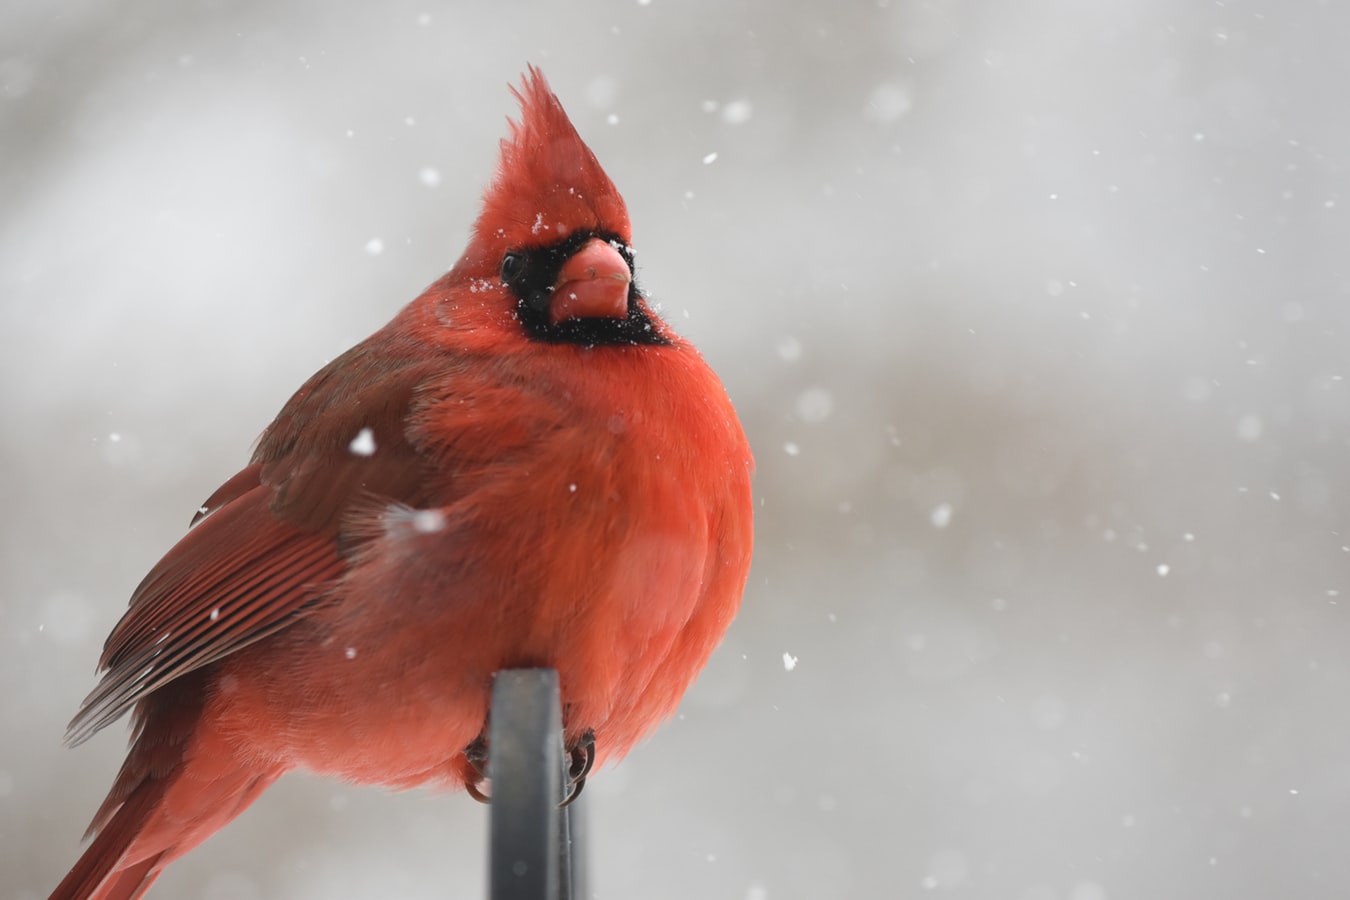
513,266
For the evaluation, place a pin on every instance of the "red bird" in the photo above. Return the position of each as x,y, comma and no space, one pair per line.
526,467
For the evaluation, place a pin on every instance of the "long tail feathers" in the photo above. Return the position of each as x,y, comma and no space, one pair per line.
180,784
98,873
141,838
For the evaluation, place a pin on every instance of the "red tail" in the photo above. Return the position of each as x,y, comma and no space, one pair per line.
179,785
102,871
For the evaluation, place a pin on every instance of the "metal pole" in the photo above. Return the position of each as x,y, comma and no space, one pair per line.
525,768
575,886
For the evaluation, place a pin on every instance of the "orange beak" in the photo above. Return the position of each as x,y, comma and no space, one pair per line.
592,284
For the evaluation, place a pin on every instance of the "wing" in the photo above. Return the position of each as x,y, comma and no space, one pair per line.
236,577
271,542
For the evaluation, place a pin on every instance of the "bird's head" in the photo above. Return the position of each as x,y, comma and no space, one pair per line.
553,239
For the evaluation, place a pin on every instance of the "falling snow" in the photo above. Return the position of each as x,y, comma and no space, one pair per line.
941,515
428,521
737,112
363,444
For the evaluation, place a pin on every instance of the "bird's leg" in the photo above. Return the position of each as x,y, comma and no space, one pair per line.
477,755
581,756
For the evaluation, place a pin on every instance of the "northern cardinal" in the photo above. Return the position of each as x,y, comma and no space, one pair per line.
526,467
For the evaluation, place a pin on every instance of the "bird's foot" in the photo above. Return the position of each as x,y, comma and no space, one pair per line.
477,756
580,759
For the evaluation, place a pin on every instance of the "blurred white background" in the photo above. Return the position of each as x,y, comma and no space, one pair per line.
1036,314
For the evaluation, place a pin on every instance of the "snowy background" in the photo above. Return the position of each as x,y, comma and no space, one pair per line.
1037,315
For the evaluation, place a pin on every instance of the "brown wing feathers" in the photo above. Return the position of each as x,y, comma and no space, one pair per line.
237,577
268,543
